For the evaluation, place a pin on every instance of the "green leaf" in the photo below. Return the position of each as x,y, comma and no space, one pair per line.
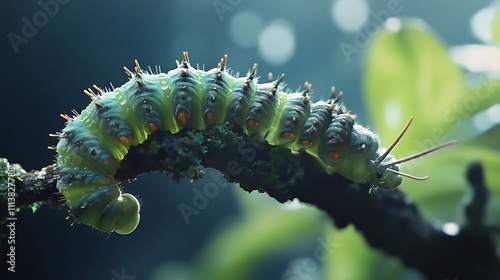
353,258
238,247
409,74
495,24
482,96
488,139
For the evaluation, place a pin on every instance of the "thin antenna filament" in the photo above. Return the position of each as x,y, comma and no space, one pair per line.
417,155
388,151
408,175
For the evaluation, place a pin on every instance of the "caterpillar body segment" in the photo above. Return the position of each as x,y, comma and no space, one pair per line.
315,126
295,113
262,110
217,87
243,91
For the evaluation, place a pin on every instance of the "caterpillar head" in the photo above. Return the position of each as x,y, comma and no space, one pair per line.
383,177
384,173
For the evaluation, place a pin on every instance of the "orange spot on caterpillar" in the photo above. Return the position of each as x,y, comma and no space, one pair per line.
152,126
184,73
107,161
209,116
335,155
183,116
252,123
288,134
125,139
305,142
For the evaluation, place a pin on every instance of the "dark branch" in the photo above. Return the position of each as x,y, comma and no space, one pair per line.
389,220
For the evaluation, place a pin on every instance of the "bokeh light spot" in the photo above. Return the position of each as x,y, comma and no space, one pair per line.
245,28
349,15
392,114
277,42
393,24
450,229
481,24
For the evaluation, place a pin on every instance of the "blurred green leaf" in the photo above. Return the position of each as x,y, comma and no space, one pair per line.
488,139
483,96
408,74
353,258
240,246
495,24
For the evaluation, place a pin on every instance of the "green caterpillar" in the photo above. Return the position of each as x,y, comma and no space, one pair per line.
94,142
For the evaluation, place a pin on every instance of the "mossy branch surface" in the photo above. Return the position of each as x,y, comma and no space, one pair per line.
388,220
